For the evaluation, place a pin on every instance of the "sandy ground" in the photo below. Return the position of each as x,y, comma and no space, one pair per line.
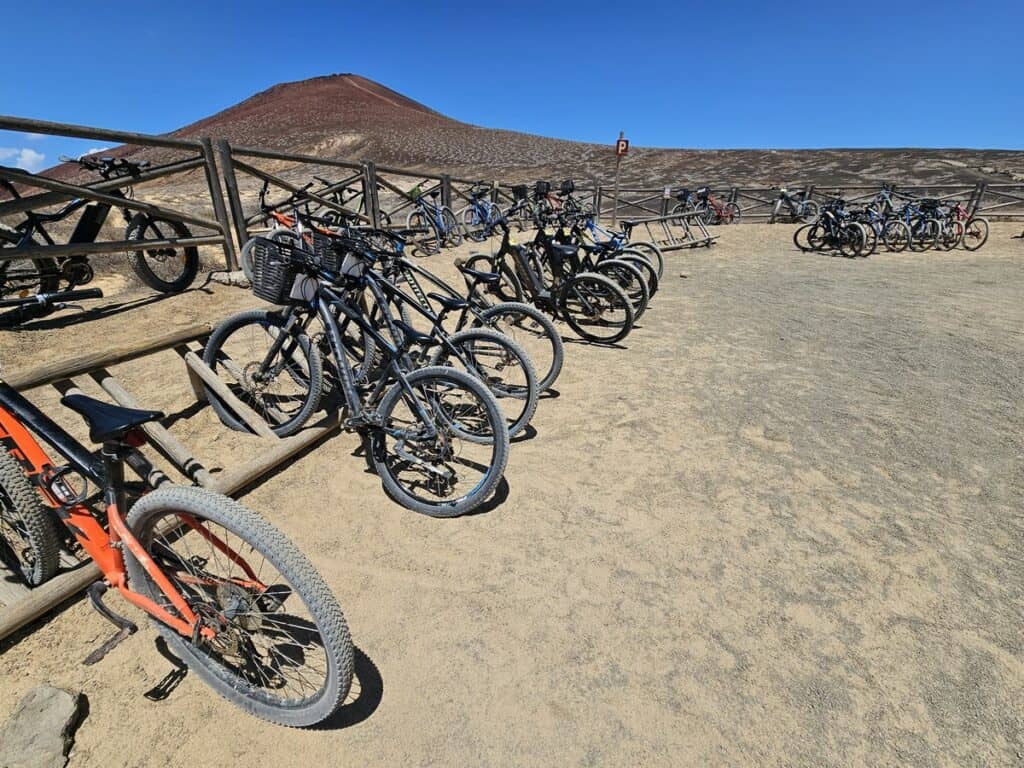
780,526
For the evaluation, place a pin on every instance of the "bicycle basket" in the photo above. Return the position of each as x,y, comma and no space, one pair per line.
326,251
273,270
519,192
567,187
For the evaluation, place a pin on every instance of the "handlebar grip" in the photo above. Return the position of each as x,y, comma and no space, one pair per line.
84,293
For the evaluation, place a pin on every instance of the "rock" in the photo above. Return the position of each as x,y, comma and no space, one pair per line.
41,731
236,278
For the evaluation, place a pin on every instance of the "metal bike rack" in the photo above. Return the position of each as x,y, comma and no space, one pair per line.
673,232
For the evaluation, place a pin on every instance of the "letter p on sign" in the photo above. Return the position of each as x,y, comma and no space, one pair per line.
621,147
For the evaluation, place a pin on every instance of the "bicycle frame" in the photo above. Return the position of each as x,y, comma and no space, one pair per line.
104,544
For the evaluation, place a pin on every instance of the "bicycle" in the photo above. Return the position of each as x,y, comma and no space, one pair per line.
521,212
165,269
479,218
712,210
833,229
593,305
435,435
436,222
797,209
268,636
525,325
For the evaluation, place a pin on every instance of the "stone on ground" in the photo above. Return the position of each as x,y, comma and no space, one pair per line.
41,731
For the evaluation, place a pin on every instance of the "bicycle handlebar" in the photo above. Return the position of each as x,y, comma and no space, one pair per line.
57,297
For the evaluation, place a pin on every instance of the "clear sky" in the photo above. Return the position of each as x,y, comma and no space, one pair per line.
715,74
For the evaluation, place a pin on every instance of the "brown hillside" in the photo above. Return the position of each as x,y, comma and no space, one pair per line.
349,117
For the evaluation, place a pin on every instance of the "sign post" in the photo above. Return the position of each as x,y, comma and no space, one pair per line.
621,148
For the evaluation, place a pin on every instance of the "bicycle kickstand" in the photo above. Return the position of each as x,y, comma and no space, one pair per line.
125,627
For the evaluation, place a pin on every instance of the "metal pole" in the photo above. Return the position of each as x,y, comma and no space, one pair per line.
217,198
234,199
618,162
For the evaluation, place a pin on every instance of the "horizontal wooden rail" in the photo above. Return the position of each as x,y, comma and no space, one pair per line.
81,249
44,199
104,358
9,123
24,177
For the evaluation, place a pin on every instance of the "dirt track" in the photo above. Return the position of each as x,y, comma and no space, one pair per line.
781,527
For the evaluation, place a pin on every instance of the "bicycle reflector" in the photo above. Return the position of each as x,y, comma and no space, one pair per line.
136,438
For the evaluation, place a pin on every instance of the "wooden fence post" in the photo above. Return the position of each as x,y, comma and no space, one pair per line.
598,199
446,190
495,197
234,200
217,198
979,193
370,201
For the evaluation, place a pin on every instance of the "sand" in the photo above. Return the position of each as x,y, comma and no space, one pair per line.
781,525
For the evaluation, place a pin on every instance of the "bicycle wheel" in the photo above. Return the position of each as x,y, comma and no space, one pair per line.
652,253
167,269
801,237
870,239
443,446
428,239
924,234
732,213
283,388
282,649
896,235
450,228
474,223
630,279
532,330
809,211
29,544
950,233
20,278
650,274
508,288
975,233
596,308
851,239
502,365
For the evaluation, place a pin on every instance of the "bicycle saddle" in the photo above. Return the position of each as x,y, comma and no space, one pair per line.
487,278
451,303
565,251
108,422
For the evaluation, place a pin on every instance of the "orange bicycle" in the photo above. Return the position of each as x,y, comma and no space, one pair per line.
231,595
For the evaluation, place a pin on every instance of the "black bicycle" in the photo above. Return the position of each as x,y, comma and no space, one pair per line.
436,435
166,269
551,277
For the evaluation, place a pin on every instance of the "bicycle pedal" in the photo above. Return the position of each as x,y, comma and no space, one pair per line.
125,626
99,654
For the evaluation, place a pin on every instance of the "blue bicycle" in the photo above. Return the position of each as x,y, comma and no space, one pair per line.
434,224
480,218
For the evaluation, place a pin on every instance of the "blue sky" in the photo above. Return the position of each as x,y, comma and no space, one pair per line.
673,74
